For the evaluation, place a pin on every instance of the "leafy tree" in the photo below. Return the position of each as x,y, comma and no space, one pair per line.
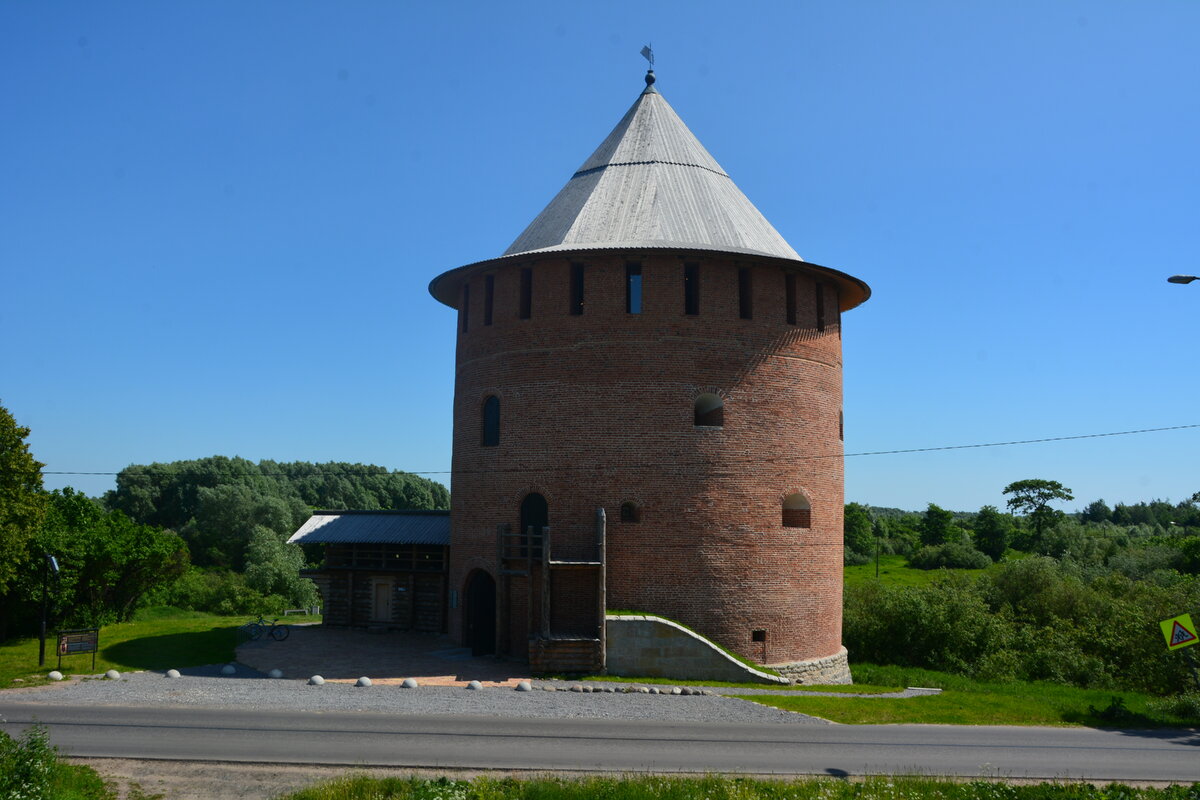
1096,511
857,529
273,568
993,532
937,526
22,501
216,503
107,564
1032,498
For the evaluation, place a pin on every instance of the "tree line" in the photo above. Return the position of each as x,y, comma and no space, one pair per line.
1071,598
207,534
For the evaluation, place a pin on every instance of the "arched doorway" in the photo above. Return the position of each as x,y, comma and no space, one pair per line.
479,616
535,513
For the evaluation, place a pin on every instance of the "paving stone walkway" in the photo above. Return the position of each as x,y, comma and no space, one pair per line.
342,655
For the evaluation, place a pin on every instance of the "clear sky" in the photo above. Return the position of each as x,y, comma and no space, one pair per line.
218,219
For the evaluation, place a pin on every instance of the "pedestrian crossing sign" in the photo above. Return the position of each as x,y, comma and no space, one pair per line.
1179,631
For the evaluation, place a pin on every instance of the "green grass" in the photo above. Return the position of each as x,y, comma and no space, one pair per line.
154,640
712,787
967,702
894,571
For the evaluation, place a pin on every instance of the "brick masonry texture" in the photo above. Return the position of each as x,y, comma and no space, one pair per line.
597,410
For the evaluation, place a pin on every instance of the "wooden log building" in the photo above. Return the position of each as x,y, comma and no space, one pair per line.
384,570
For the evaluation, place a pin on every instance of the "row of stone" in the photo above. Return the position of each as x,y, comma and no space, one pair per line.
411,683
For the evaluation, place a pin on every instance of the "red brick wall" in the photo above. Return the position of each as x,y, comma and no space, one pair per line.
597,409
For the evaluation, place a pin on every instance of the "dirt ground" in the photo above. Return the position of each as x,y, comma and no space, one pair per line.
195,780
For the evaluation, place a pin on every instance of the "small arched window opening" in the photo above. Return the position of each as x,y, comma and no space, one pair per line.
797,513
709,411
841,426
491,422
631,512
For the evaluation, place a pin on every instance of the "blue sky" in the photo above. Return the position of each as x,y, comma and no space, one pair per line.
218,220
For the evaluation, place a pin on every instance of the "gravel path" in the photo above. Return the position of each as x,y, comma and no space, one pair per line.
246,689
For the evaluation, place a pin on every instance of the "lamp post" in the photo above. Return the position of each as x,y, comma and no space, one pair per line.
49,564
1183,278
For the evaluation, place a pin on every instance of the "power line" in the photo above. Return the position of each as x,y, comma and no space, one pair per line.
786,459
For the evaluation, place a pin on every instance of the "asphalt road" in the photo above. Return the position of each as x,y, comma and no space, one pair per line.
370,739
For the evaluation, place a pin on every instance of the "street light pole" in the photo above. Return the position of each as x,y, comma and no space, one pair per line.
49,563
1183,278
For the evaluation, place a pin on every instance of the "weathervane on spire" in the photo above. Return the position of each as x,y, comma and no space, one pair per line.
648,54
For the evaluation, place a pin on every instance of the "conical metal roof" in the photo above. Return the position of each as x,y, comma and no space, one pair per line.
651,184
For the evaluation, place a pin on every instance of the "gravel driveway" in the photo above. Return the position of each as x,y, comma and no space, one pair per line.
246,689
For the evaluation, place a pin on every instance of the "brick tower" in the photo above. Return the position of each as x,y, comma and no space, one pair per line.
649,346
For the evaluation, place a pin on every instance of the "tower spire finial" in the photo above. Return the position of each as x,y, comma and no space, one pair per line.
648,54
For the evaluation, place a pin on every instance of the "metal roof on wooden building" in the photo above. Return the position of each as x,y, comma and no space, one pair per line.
375,527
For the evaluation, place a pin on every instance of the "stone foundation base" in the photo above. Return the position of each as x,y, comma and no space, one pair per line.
829,670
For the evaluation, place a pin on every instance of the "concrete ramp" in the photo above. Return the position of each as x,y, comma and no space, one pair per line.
653,647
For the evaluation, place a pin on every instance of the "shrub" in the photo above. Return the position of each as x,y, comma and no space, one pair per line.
853,559
952,555
27,765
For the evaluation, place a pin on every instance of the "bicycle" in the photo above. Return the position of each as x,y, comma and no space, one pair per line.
255,628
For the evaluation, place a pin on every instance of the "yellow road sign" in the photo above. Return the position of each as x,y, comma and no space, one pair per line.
1179,631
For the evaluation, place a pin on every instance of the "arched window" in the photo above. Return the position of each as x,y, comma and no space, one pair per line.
491,422
709,411
631,512
797,513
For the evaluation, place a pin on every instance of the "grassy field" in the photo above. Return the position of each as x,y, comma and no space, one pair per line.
720,788
894,571
156,639
967,702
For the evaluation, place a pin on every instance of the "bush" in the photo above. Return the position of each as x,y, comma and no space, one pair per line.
1033,619
217,592
951,555
853,559
1184,706
26,764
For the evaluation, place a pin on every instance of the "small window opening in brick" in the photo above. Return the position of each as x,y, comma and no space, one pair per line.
797,513
745,296
759,635
631,512
837,310
465,312
491,422
525,309
820,305
790,293
633,288
841,426
576,289
709,411
691,289
489,296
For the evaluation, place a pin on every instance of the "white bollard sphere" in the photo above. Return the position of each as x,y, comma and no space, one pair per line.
228,669
524,686
363,681
474,685
55,675
409,683
316,680
172,673
113,675
275,673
